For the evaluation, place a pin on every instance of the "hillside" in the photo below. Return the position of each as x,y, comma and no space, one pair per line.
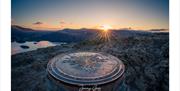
146,60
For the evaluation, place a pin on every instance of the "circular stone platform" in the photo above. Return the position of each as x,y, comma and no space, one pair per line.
85,68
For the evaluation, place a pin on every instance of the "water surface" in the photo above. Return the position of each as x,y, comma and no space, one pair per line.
17,47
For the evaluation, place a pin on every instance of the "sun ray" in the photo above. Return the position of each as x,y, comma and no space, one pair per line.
105,34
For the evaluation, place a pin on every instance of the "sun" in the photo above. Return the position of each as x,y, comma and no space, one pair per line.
105,27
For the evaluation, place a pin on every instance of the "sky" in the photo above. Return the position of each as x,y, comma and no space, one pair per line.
76,14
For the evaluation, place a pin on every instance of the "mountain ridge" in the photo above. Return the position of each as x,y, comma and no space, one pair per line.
21,34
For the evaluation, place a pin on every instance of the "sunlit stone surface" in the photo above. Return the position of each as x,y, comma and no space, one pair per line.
85,68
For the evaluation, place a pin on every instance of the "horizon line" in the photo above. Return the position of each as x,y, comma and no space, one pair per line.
59,29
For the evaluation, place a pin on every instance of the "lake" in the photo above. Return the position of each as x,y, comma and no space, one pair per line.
29,46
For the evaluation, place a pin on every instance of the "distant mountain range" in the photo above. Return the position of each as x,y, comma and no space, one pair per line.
21,34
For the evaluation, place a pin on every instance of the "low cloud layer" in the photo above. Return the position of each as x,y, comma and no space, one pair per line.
38,23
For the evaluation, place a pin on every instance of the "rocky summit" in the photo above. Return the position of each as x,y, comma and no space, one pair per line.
146,60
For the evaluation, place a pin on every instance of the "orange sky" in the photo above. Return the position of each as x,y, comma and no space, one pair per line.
60,14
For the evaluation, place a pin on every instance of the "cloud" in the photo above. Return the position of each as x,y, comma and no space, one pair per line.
62,22
38,23
44,26
159,30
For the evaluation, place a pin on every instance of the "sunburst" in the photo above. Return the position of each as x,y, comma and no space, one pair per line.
105,34
105,27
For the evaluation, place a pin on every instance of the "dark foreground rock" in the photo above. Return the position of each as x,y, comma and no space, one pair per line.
24,46
146,59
